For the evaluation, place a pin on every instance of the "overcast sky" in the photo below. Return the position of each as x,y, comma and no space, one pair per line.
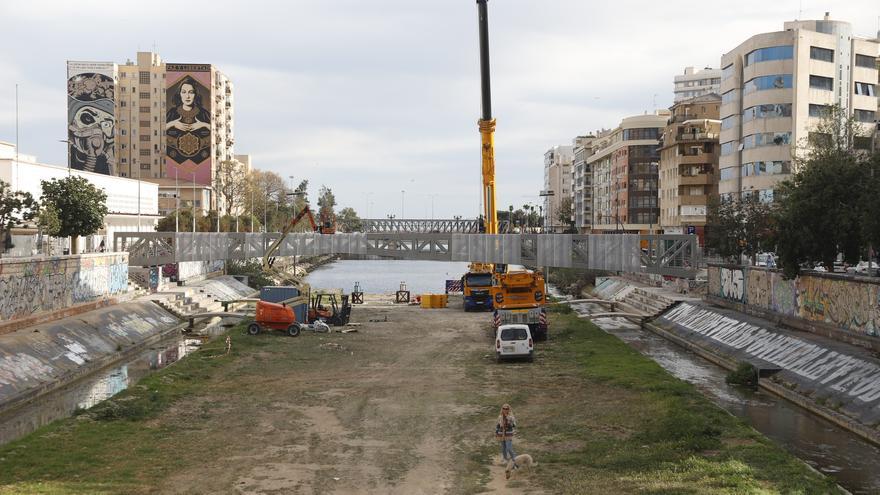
376,97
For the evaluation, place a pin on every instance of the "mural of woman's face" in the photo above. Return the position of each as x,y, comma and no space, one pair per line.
187,94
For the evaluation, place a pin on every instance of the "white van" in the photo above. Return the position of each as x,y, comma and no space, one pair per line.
513,341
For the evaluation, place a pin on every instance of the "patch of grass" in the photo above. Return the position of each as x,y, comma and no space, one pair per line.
744,375
618,423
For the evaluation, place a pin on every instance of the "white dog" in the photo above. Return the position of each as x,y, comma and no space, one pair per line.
521,461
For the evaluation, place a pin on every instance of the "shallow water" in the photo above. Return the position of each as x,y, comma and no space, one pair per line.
852,462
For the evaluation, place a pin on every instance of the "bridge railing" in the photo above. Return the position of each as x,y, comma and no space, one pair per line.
675,255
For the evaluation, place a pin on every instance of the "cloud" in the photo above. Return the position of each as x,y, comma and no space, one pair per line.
371,98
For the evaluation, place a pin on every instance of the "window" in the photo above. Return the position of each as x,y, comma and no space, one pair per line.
865,89
819,110
766,168
823,54
728,147
728,97
820,82
728,173
765,195
728,122
784,52
122,103
641,133
862,142
866,61
767,111
819,139
145,166
779,81
145,95
144,77
864,115
766,139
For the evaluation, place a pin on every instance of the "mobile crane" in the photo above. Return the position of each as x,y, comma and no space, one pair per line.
517,296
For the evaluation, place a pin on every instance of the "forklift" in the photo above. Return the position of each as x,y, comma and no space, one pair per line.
326,307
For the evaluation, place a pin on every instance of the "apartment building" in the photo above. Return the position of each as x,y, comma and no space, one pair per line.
150,120
582,184
557,184
625,162
775,87
688,177
695,83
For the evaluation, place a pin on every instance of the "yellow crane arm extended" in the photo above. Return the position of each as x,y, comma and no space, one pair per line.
487,125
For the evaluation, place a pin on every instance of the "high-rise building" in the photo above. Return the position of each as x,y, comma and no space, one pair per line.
695,83
151,120
689,164
557,185
625,162
582,184
775,87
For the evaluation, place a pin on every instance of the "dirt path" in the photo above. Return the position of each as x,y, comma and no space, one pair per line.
396,408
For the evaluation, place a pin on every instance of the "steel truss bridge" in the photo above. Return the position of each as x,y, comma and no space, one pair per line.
425,226
673,255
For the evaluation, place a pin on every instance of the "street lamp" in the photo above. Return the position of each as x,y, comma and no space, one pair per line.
547,194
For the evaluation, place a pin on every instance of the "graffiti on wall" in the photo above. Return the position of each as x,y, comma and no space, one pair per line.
91,121
732,284
49,285
188,122
847,304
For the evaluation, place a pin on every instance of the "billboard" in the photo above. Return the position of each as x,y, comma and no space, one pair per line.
188,122
91,120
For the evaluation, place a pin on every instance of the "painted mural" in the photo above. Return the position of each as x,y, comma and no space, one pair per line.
29,287
852,305
188,122
91,121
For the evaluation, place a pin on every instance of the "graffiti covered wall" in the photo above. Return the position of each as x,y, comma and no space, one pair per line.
29,286
91,120
188,122
850,304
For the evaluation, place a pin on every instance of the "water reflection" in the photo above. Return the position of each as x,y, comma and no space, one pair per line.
823,445
94,388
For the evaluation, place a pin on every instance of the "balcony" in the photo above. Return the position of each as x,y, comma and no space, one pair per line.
696,180
696,136
693,200
697,159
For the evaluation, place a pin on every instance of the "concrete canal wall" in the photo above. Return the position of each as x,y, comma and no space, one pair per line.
50,355
837,381
842,308
40,289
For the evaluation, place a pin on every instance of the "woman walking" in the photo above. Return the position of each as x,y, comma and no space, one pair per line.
505,429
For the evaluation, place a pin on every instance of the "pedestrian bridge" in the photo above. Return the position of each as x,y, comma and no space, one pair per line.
673,255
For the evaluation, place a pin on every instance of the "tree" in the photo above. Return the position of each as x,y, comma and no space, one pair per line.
326,203
349,221
15,208
231,185
563,214
80,205
744,226
828,206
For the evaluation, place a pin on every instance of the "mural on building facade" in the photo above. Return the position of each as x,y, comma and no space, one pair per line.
188,122
852,305
91,121
32,287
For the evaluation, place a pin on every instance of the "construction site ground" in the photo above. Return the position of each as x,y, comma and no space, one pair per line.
405,405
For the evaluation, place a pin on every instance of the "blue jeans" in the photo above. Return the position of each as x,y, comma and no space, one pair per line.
507,450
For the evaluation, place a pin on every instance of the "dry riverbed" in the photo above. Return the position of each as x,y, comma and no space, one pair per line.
404,406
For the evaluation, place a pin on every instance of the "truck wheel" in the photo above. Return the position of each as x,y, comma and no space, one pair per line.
253,329
293,330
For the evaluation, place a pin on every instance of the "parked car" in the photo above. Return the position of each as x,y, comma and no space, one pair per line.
514,341
862,268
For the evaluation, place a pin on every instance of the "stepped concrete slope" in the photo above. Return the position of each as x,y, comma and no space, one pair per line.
43,357
837,380
205,296
636,298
